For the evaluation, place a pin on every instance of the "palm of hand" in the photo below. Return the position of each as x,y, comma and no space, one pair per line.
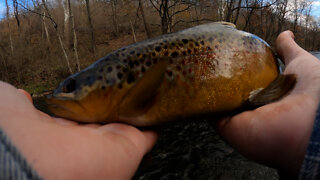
278,133
67,150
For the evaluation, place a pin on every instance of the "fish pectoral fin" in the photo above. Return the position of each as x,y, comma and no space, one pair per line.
276,90
143,94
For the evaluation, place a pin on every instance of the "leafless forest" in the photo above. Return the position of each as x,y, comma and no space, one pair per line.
43,41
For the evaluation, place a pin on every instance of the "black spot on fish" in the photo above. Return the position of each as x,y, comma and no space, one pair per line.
180,44
173,44
148,63
174,54
153,54
109,69
158,49
125,61
130,78
119,75
184,53
107,59
131,64
165,47
103,87
208,48
196,43
138,54
143,69
169,73
136,63
201,42
189,51
132,52
210,39
185,41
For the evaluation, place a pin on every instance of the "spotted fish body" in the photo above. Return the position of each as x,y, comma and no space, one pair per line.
203,70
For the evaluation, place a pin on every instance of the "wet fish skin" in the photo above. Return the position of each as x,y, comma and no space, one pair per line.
206,69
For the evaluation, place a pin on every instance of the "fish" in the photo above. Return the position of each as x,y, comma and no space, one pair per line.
201,71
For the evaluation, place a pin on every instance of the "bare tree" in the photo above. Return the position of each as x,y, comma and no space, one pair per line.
8,23
75,41
93,40
114,17
44,25
145,22
58,35
67,23
166,11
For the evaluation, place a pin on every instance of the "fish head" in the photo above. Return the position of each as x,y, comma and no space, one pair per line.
93,94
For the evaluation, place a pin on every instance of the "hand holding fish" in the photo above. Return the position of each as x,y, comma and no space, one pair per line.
278,134
62,149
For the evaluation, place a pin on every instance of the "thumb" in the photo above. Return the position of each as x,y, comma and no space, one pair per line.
286,47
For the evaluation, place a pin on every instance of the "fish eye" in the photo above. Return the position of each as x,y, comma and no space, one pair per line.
69,86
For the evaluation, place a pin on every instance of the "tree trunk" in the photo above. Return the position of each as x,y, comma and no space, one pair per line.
146,24
114,18
67,24
229,11
59,36
75,42
132,31
45,26
9,28
93,39
237,13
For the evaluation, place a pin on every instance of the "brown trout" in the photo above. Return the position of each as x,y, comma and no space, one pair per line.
204,70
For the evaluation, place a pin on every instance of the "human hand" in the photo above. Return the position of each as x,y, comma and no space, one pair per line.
62,149
277,134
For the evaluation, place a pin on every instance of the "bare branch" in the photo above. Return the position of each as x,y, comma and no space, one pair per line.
40,14
154,5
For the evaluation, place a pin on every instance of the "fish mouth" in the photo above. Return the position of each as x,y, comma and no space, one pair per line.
65,107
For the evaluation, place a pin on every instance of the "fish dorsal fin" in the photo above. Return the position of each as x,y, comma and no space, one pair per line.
276,90
141,94
226,24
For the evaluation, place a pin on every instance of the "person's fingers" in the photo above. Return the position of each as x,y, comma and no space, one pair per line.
287,47
143,141
150,139
26,94
64,122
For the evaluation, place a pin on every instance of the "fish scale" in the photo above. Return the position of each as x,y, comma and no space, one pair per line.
205,70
